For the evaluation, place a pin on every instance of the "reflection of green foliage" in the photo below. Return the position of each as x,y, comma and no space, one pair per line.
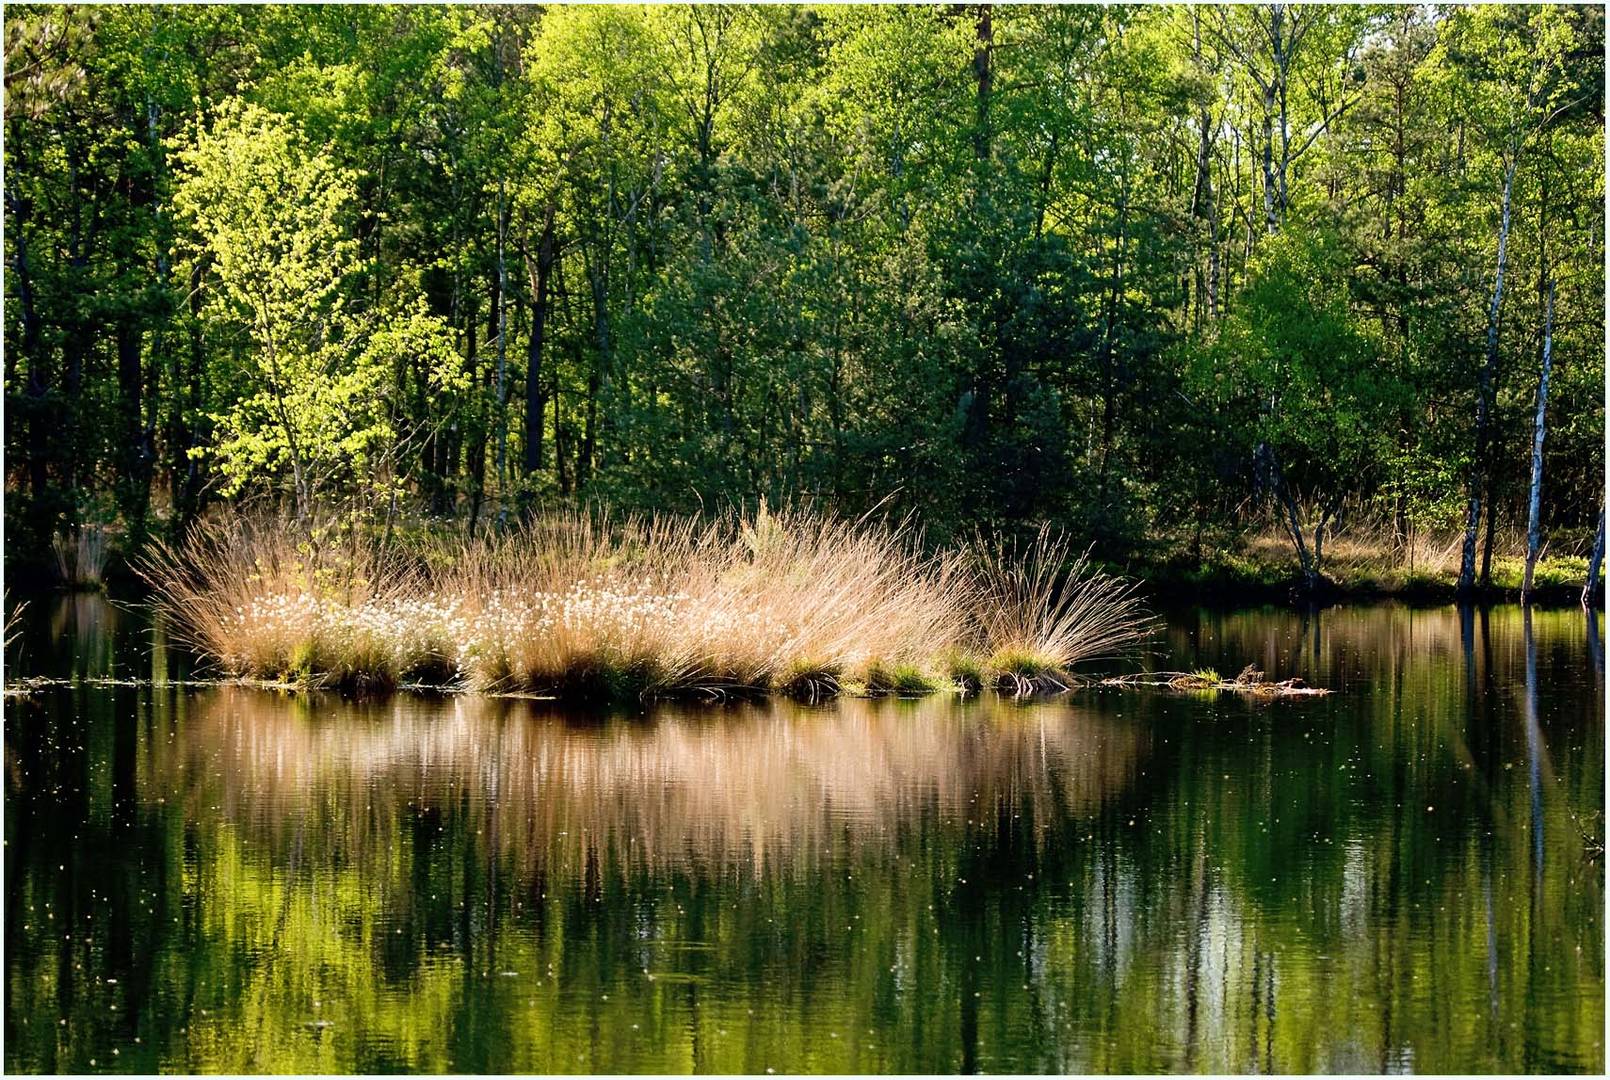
1352,883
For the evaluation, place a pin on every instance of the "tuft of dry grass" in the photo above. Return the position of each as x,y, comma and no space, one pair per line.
81,556
264,601
586,605
1041,610
13,624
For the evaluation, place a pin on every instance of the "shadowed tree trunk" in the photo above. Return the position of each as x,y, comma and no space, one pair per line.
1270,475
978,400
1591,592
500,322
1485,578
536,393
1109,345
477,442
984,73
136,446
1534,526
1478,481
1202,205
598,286
36,388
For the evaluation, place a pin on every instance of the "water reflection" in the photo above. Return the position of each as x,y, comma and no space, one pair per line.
1392,878
758,788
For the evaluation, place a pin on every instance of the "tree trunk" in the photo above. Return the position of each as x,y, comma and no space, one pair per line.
1270,215
598,285
186,480
36,387
1473,508
561,444
78,342
1534,526
1202,205
1269,468
984,73
1485,581
1109,360
499,312
536,395
135,456
477,436
1592,591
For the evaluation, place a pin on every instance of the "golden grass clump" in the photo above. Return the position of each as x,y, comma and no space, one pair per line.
265,602
588,605
1041,611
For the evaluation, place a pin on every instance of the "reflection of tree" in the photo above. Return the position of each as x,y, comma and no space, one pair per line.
1429,763
1595,644
83,625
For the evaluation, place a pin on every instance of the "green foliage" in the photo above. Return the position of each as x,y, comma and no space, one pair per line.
984,266
265,219
1294,366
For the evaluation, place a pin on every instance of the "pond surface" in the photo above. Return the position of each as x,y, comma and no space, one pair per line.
1404,876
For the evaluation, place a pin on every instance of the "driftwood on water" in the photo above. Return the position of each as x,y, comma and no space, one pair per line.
1251,681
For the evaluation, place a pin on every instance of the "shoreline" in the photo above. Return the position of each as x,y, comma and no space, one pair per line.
1165,582
1263,583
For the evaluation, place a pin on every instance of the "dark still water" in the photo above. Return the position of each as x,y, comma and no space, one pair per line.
1403,876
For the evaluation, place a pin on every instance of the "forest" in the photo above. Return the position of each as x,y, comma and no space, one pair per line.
1236,292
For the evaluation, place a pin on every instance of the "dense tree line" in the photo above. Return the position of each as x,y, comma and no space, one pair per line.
1138,270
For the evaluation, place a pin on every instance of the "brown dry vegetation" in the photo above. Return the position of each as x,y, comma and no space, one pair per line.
747,794
583,605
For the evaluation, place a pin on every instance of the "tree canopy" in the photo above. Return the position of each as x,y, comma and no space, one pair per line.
1137,270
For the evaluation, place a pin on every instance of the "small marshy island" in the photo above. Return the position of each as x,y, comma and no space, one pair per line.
592,606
